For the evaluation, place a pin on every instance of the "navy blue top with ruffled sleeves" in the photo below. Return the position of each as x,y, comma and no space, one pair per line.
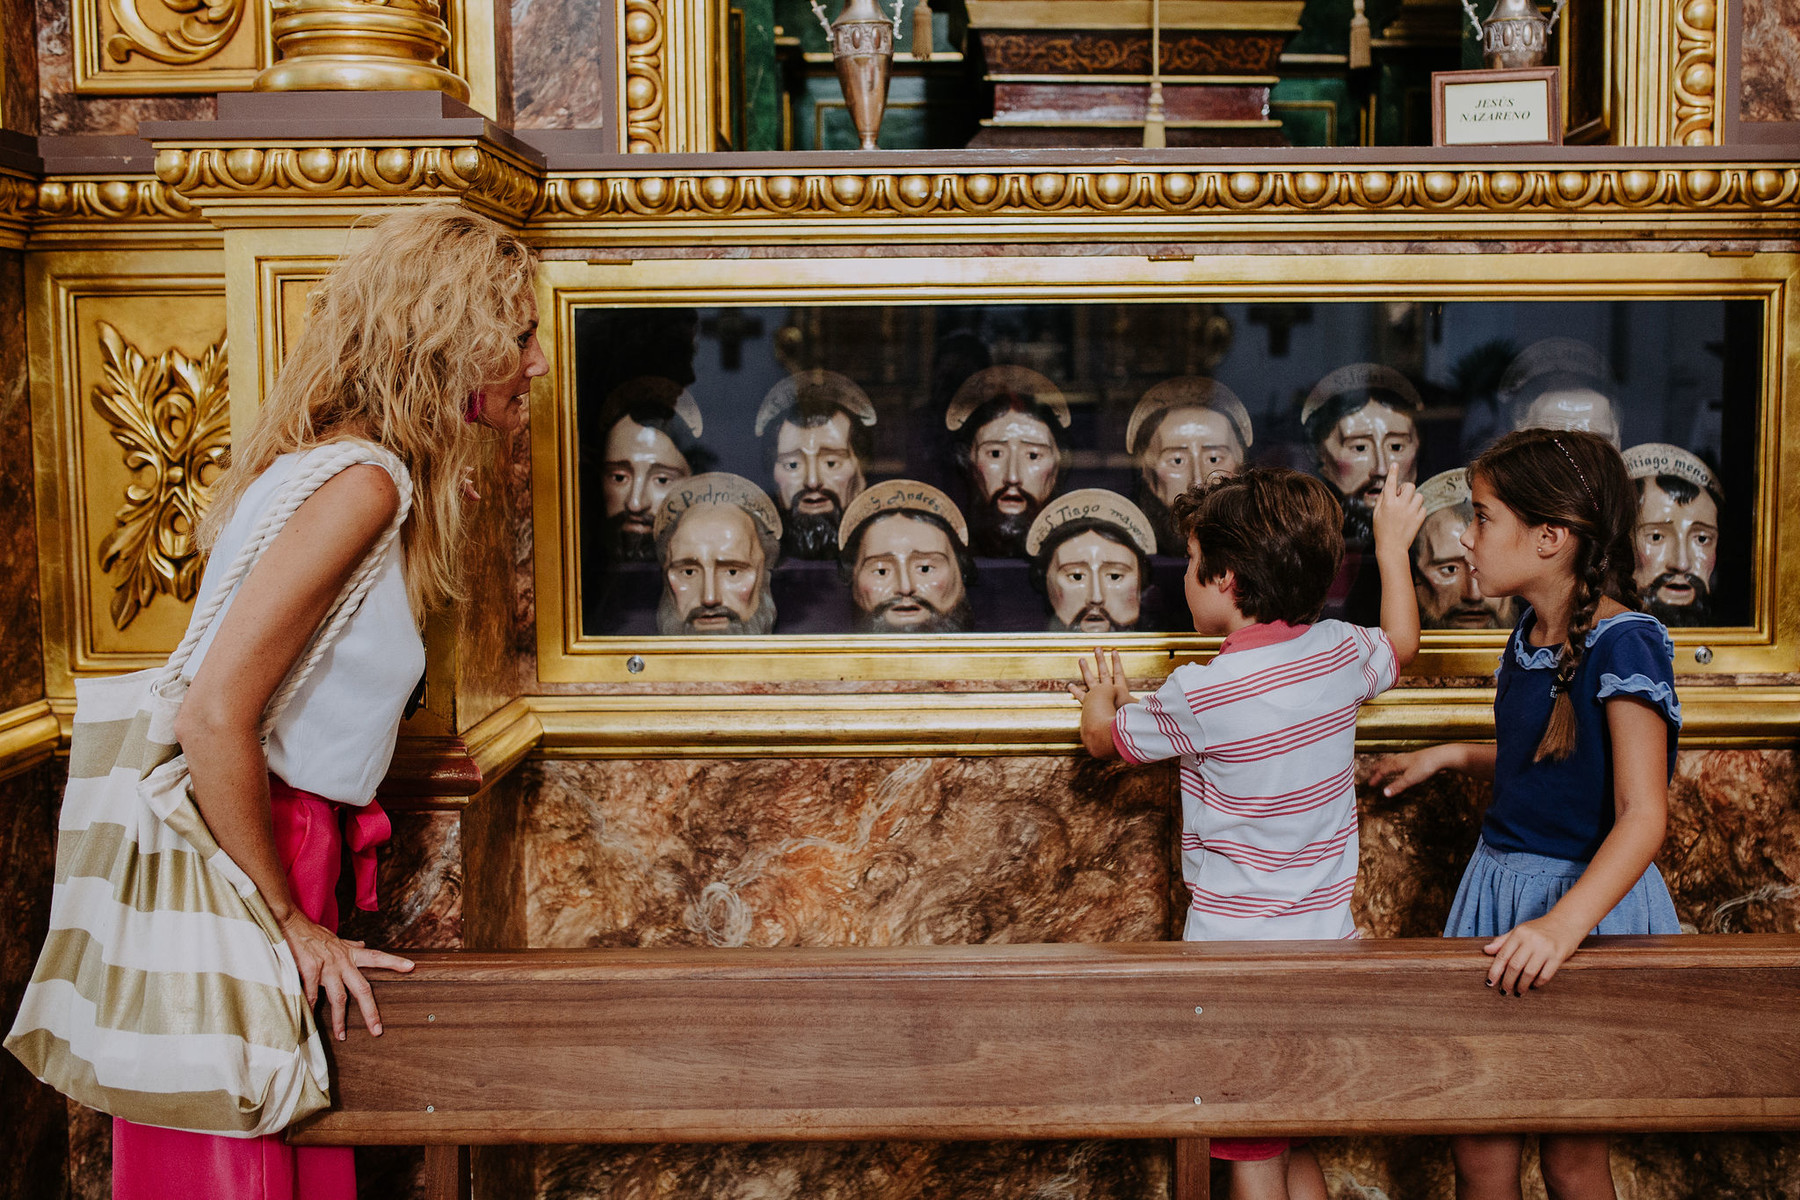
1565,809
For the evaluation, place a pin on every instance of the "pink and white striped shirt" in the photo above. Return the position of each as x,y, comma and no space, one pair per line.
1266,733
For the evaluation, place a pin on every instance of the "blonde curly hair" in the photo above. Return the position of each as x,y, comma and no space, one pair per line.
398,337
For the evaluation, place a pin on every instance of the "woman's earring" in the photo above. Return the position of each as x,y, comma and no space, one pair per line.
472,408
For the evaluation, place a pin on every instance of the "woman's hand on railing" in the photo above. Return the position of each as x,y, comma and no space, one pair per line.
335,965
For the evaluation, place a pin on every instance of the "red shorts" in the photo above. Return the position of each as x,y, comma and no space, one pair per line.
1252,1149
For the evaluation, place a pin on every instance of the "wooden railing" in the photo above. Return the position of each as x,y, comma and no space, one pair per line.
1154,1040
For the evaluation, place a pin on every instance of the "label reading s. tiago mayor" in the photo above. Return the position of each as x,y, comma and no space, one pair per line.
1494,114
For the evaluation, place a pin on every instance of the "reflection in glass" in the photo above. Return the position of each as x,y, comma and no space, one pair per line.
1004,412
1449,596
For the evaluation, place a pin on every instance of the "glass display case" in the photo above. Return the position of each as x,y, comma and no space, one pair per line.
736,443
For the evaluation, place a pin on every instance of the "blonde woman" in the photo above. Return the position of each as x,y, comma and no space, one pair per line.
423,343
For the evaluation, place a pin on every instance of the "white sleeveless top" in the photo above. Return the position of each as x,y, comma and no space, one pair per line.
336,737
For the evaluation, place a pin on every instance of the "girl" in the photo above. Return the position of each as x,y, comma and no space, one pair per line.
412,343
1585,719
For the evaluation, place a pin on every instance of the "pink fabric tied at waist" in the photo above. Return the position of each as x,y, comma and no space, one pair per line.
364,829
311,833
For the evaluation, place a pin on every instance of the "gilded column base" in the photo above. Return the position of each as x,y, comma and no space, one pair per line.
350,45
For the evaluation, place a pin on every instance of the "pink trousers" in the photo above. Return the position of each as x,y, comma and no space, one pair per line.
151,1163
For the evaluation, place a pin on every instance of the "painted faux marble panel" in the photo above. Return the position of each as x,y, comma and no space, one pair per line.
18,82
895,851
841,852
859,1171
850,852
61,111
21,645
419,884
1732,855
1771,61
556,64
35,1144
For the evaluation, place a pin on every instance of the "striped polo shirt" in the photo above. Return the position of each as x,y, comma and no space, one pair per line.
1266,734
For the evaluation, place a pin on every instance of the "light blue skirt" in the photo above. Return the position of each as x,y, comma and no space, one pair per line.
1504,888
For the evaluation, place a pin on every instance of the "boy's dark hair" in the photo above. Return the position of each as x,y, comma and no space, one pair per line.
1279,532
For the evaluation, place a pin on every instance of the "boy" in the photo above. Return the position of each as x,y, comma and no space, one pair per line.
1266,732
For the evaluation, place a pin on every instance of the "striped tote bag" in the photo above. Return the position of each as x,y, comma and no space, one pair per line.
165,992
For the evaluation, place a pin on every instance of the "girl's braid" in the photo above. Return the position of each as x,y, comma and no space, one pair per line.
1558,741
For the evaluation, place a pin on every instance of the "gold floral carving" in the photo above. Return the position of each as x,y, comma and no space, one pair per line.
646,90
18,204
203,31
1696,79
172,415
1149,193
505,187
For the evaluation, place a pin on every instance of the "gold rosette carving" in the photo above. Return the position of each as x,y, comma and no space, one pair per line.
172,416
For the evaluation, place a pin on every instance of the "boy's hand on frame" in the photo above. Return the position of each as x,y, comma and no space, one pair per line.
1107,677
1399,515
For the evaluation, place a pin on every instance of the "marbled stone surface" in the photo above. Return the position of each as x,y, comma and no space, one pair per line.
859,1171
1732,855
419,885
34,1118
1771,61
490,668
958,850
21,646
893,851
556,64
836,852
61,111
18,99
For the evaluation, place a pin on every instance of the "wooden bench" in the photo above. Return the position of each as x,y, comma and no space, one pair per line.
1163,1040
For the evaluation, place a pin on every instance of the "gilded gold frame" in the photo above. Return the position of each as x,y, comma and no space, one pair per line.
1770,646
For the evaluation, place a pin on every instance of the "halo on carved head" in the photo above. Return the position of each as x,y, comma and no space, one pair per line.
1444,490
828,386
1660,458
1361,377
1556,356
654,390
1188,391
990,382
1092,504
718,487
900,495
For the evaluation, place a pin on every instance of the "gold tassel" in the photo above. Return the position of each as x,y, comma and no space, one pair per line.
1359,38
922,35
1156,135
1155,132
